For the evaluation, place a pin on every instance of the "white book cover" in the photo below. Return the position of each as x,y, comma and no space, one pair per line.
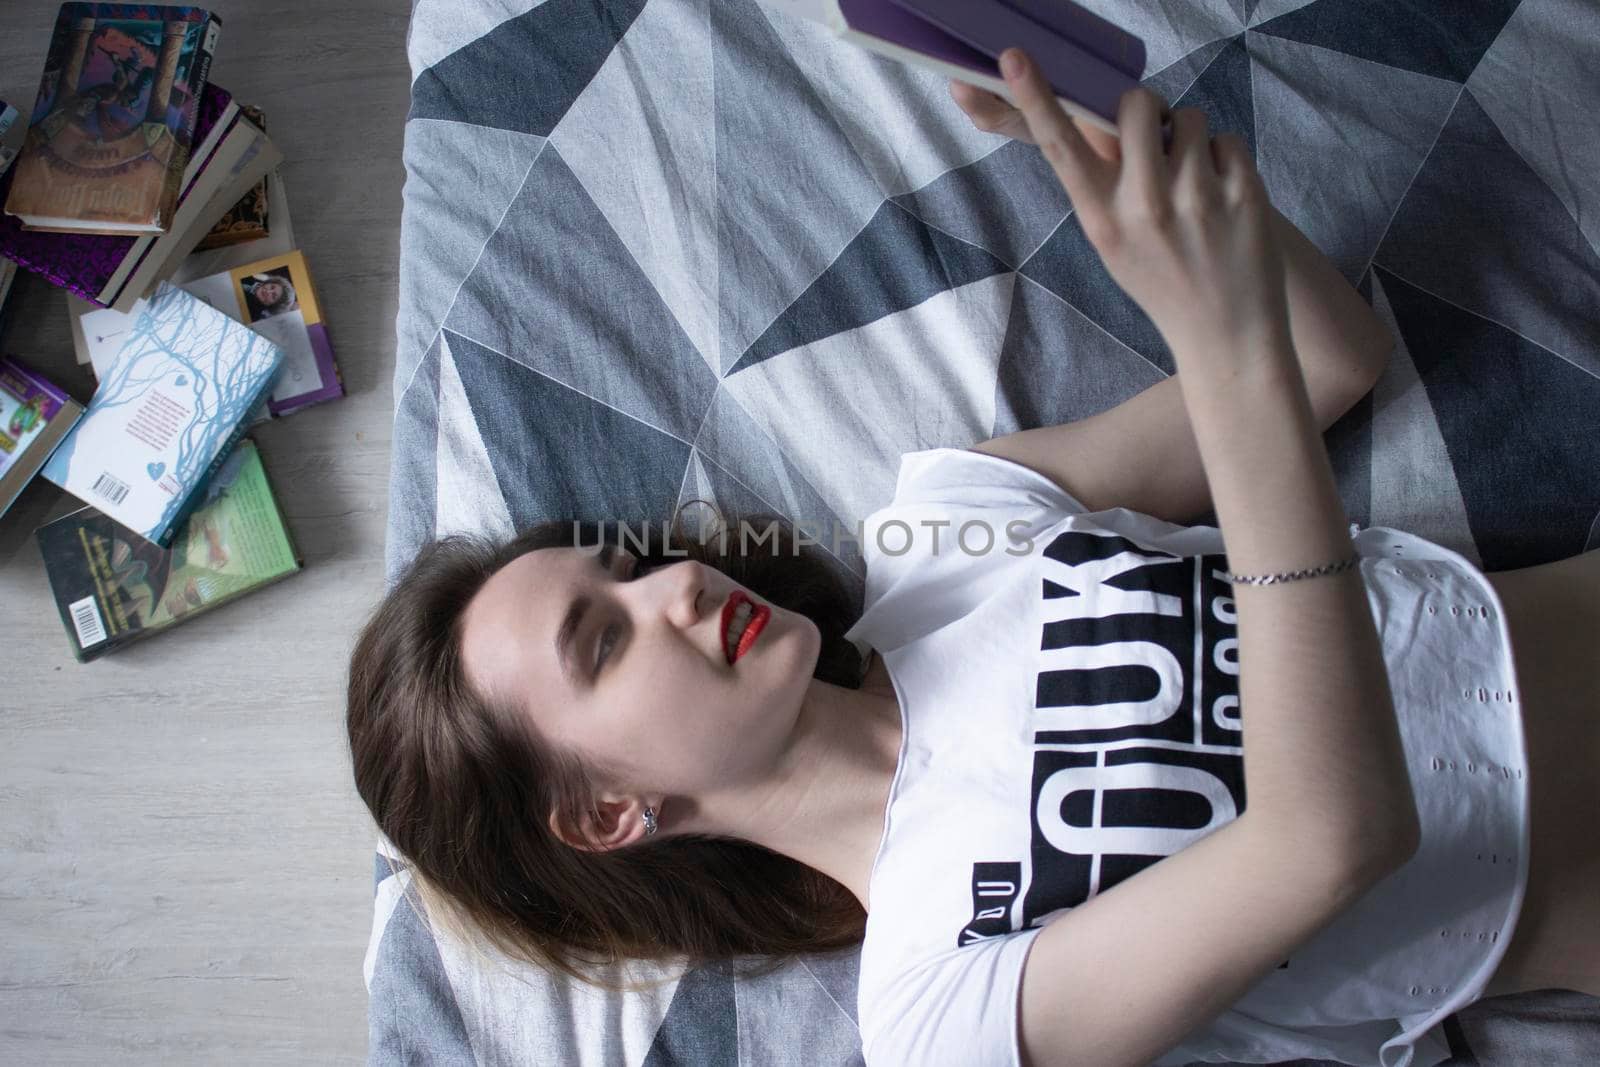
171,404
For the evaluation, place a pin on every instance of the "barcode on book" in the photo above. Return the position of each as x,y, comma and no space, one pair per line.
86,620
110,488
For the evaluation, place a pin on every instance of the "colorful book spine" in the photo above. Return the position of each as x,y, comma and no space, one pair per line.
246,220
112,588
91,265
171,406
114,119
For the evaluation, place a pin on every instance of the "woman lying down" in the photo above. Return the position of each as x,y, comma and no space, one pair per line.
1018,777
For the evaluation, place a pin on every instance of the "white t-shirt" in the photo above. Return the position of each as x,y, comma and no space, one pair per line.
1070,708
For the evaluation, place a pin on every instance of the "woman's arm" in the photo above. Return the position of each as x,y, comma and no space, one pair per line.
1324,745
1330,809
1331,812
1342,344
1142,455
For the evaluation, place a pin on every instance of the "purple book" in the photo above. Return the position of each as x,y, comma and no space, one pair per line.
1088,61
87,263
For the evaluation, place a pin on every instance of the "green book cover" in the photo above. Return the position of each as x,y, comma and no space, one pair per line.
113,587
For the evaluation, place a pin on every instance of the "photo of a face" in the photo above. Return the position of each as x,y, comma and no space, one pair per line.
268,294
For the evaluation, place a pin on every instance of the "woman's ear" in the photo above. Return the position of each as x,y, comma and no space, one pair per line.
609,825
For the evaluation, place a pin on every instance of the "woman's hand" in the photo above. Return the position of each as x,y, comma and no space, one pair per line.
994,114
1187,235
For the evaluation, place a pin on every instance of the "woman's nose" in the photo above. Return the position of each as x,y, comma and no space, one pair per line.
687,599
694,595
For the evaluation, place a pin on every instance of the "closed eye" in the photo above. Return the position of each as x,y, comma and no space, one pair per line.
608,637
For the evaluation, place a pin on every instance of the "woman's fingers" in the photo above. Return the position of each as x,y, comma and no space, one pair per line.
1194,166
988,112
1081,170
1145,167
1236,169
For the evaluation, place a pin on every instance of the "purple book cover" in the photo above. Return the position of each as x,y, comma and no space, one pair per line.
1085,58
84,263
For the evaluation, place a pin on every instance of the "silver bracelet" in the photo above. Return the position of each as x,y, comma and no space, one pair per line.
1314,572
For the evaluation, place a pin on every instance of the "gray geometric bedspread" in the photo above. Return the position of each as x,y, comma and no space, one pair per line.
677,249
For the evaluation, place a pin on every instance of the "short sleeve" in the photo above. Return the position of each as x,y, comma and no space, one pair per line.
964,478
958,521
939,1012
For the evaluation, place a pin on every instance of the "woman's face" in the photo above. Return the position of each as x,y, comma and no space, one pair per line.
268,293
664,706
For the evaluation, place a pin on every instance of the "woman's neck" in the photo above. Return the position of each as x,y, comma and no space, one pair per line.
824,803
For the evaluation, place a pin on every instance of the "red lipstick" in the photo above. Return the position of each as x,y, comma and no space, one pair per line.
759,615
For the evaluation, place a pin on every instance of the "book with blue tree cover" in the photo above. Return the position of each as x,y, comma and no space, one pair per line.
170,406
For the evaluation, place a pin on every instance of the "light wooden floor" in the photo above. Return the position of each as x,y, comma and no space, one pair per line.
185,869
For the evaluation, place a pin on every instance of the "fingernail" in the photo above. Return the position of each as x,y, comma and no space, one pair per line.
1011,62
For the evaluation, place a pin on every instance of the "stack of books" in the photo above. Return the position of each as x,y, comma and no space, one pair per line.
149,195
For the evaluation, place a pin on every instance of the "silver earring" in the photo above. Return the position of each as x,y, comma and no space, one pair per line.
649,821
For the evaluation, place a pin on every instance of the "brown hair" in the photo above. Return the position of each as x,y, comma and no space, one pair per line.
462,784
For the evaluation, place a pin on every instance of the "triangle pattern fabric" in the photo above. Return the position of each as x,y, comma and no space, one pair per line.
440,27
413,467
555,242
485,82
468,500
768,1018
1068,266
452,241
1266,10
1173,81
1506,409
789,205
853,391
410,1002
698,505
534,470
1057,366
701,1025
1477,221
1519,84
896,262
1171,30
1222,91
508,1009
666,215
1413,485
1339,171
1006,202
768,481
1441,41
1349,444
899,119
